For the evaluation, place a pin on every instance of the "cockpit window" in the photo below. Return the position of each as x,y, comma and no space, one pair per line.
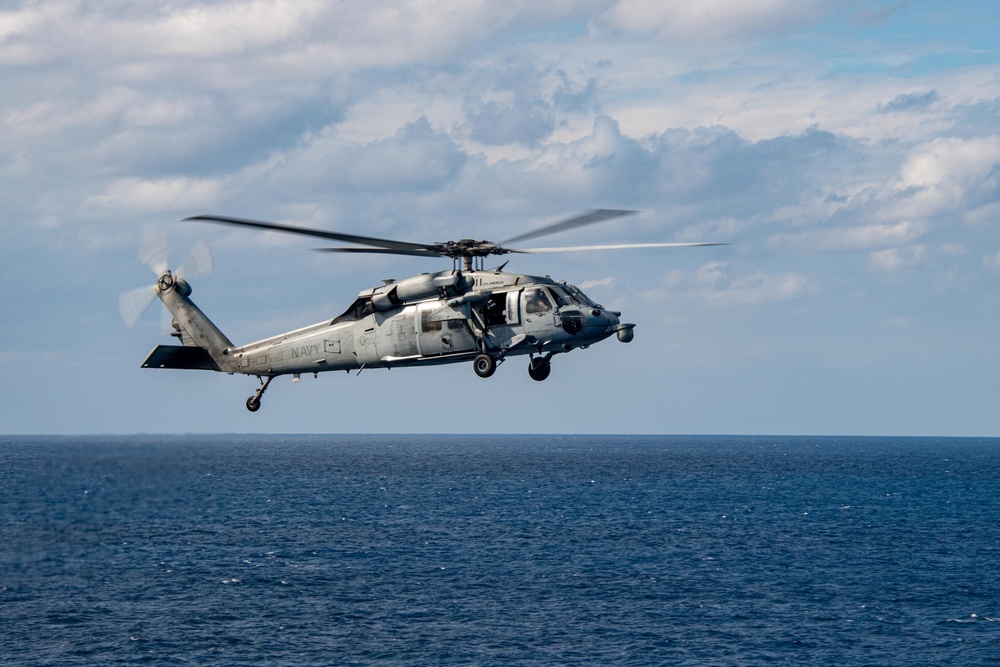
536,301
561,297
582,298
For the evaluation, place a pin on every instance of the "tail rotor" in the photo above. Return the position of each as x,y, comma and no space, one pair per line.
155,255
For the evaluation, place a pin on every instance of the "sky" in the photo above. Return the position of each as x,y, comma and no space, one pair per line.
848,152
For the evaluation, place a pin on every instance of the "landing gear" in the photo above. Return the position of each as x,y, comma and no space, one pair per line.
484,365
253,403
539,367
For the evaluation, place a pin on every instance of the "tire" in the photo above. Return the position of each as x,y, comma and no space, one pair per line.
484,365
539,369
253,404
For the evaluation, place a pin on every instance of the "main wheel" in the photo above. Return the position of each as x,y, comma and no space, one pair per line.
539,369
484,365
253,404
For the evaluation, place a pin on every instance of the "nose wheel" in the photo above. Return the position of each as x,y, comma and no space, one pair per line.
253,403
539,367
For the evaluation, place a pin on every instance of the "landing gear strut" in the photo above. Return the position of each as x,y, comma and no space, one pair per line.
253,403
540,367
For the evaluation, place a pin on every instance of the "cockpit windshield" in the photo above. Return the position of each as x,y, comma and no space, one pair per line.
579,297
561,296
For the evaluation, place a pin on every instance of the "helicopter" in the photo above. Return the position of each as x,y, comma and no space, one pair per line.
464,314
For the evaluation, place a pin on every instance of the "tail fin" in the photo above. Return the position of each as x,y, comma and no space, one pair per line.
204,346
179,356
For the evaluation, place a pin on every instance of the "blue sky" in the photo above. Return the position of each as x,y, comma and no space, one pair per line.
848,151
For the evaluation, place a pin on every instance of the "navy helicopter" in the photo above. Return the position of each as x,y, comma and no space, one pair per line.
465,314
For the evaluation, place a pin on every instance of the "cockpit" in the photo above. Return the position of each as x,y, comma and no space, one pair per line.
577,296
574,312
544,299
537,300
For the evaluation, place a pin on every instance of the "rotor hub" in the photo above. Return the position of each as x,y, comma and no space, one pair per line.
466,248
165,283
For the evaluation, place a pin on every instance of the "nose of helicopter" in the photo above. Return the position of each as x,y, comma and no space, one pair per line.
589,325
607,322
599,323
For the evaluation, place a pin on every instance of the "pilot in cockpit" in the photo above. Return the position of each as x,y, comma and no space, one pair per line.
537,302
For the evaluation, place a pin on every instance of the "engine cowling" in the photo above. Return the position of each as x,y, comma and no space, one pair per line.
418,288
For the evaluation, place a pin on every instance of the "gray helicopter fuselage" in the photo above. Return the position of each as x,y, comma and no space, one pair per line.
482,316
438,318
433,318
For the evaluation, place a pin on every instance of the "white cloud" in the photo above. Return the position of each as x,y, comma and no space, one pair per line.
953,250
602,282
859,237
308,34
415,157
20,30
992,262
708,19
129,196
759,95
718,285
950,160
895,259
948,176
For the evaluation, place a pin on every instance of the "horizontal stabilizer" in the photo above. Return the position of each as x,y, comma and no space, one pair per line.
180,356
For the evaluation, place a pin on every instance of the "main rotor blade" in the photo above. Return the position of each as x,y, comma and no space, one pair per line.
588,218
622,246
384,251
319,233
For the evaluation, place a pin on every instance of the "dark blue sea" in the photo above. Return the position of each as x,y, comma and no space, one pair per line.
499,550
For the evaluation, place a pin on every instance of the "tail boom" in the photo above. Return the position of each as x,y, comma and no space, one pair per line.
204,347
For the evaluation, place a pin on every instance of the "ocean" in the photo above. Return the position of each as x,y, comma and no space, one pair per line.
499,550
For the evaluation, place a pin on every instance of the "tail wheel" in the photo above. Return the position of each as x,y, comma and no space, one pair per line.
484,365
253,403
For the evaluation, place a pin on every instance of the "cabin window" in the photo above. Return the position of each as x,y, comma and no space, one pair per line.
425,321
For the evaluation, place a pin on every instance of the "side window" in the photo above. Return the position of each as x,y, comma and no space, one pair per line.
425,324
536,301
